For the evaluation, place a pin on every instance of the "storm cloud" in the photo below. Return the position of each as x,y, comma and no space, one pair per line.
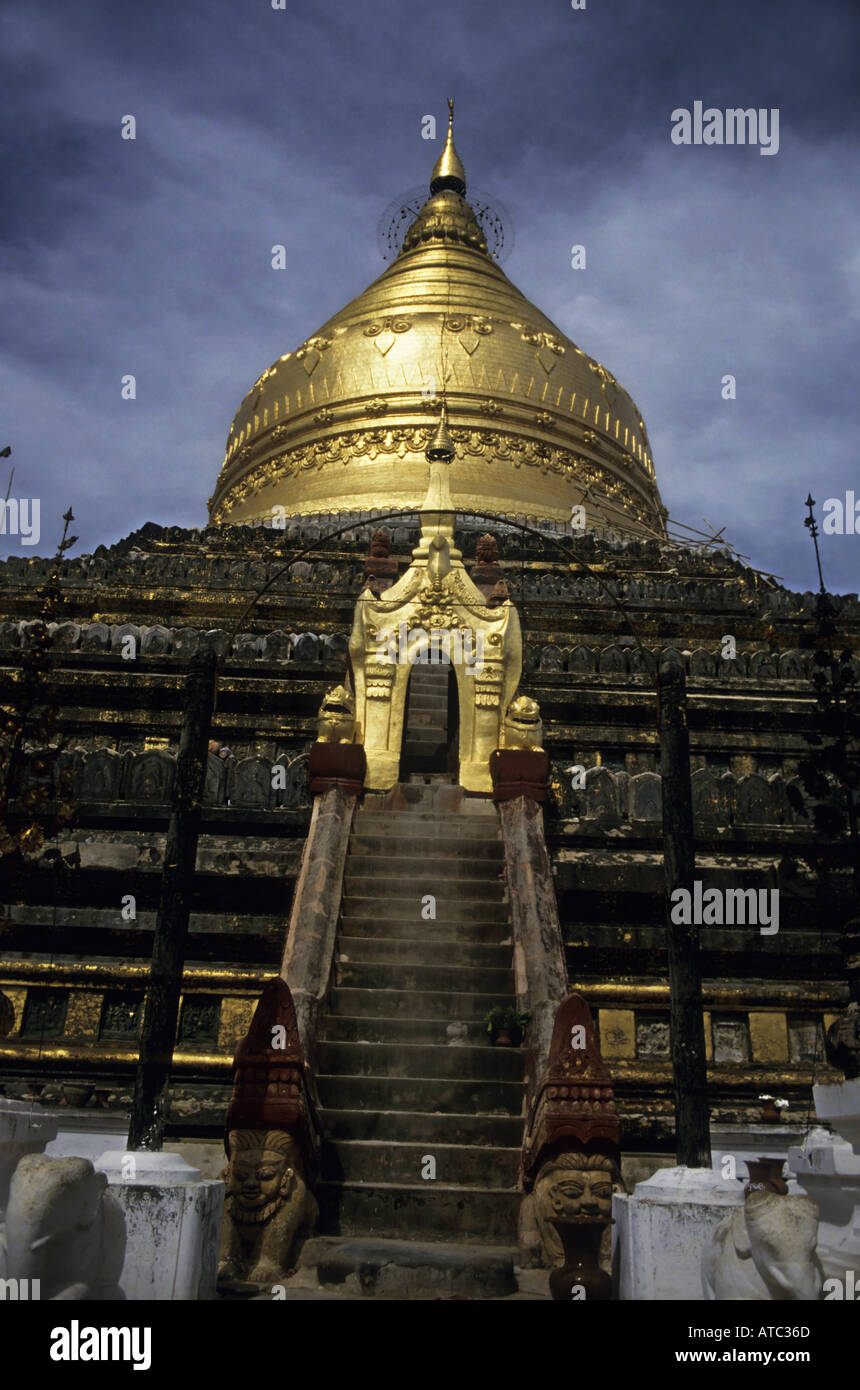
258,126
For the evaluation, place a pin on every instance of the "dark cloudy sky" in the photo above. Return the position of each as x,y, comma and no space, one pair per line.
258,126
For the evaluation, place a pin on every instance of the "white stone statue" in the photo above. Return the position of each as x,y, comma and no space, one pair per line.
764,1250
65,1229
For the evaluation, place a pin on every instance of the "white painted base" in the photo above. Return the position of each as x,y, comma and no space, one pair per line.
827,1169
661,1232
743,1142
173,1225
839,1106
86,1133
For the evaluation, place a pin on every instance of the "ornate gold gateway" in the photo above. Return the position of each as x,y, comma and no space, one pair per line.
434,608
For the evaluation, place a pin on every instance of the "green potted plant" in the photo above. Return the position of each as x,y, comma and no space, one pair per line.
506,1025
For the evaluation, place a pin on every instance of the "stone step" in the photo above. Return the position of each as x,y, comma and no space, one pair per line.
356,1002
474,813
422,745
422,1061
428,800
492,1131
380,1160
412,845
452,910
439,932
418,702
416,1127
437,797
402,1269
428,1094
432,779
436,1031
473,836
435,718
474,1215
389,869
426,673
408,977
392,887
423,950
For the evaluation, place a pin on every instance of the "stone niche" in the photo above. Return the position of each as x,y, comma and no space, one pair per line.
151,776
102,774
250,782
731,1037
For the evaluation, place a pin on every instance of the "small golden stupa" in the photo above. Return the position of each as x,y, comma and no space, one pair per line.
342,423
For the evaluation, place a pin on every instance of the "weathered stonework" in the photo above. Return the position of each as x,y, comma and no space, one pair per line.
67,934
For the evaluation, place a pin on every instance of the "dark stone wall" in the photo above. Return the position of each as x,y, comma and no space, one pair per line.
596,616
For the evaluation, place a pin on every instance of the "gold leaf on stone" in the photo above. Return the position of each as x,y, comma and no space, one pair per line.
546,358
31,839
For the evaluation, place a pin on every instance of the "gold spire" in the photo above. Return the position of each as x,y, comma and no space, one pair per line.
448,171
437,511
308,438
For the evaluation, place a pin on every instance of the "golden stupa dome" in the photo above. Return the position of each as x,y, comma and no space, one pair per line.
342,423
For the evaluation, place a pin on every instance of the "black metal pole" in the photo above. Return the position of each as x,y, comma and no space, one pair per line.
687,1024
146,1128
813,531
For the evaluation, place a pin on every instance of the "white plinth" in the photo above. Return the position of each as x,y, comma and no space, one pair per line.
839,1106
24,1129
173,1225
745,1142
86,1133
662,1230
827,1169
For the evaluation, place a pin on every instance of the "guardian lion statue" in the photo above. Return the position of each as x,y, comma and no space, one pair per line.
523,727
336,718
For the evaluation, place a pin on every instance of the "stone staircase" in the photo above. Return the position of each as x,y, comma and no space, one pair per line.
407,1073
425,734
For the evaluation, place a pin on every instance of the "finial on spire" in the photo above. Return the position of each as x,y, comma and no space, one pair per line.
437,512
440,449
448,171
